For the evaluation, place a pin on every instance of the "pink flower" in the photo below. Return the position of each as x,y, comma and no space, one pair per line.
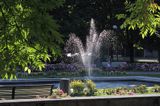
131,93
60,92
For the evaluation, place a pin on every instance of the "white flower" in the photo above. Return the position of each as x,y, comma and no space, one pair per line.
86,90
71,90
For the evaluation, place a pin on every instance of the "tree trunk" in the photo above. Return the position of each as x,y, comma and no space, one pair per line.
130,46
131,52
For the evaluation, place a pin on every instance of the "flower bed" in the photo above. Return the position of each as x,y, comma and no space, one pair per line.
123,67
77,70
88,88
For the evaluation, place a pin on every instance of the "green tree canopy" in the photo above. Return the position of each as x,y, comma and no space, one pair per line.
141,14
27,32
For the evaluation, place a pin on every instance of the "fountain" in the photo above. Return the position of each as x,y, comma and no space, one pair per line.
91,50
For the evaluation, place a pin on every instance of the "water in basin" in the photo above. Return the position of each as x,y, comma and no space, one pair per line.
115,84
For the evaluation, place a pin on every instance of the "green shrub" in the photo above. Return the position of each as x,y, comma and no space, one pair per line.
156,89
140,89
91,88
99,92
77,87
108,91
88,88
121,91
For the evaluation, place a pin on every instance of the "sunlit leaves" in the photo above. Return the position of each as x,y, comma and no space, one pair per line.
27,69
27,32
121,16
142,14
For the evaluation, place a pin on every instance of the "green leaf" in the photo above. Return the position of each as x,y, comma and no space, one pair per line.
27,33
143,15
29,71
26,69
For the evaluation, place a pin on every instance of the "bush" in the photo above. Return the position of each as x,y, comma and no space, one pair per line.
156,89
91,88
122,91
108,91
77,87
140,89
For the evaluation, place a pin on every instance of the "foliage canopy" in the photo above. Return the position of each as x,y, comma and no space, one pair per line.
141,14
27,32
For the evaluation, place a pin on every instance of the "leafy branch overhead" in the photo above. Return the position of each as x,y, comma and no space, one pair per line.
142,14
27,32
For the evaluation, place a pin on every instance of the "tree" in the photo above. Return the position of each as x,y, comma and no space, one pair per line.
27,32
75,15
141,14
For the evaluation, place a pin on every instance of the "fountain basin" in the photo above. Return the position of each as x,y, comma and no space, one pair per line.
101,82
114,82
137,100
